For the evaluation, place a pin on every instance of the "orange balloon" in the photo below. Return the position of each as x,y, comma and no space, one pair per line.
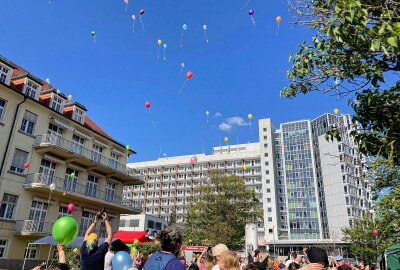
189,74
278,19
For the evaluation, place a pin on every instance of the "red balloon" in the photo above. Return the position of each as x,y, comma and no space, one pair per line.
147,104
26,165
375,232
141,12
71,207
189,74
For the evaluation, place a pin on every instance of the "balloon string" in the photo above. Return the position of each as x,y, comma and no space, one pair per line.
164,54
278,30
94,39
158,52
180,72
141,22
205,36
182,39
183,85
133,28
248,1
253,21
126,6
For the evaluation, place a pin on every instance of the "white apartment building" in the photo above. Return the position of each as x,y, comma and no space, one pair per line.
309,188
142,222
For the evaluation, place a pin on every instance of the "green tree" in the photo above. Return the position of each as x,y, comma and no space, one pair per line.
220,212
355,51
172,218
366,246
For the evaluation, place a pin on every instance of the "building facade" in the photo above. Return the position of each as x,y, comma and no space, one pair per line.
309,187
142,222
46,140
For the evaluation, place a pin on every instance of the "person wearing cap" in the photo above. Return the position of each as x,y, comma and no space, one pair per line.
341,264
92,255
216,252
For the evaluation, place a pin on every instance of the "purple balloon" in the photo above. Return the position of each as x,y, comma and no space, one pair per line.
251,12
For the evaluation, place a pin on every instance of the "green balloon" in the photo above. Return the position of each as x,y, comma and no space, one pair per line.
72,175
65,230
127,147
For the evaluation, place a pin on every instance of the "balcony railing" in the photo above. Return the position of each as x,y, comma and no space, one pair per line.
33,227
78,149
70,185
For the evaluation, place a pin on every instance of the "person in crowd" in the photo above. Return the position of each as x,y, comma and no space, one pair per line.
182,258
171,240
193,264
205,261
276,264
61,265
318,255
303,262
293,257
216,252
229,261
340,263
92,256
293,266
242,261
108,258
250,267
260,260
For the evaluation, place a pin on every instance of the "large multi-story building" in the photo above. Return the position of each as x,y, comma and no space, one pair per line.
309,187
46,140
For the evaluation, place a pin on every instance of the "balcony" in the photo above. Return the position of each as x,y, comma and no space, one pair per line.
33,228
74,152
82,194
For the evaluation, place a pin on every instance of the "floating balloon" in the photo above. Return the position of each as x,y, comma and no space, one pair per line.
226,139
336,111
205,37
193,160
165,47
251,13
208,180
207,114
189,75
134,20
65,230
375,232
71,207
93,33
26,165
182,67
135,242
184,28
122,261
245,168
52,186
127,148
147,104
63,193
250,116
278,19
72,175
159,42
126,4
69,98
47,80
141,12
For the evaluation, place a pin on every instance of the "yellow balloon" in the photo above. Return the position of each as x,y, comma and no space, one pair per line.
159,42
250,116
336,111
245,168
69,97
226,139
135,242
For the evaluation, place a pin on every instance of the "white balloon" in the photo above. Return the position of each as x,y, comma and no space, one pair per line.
207,112
52,186
208,180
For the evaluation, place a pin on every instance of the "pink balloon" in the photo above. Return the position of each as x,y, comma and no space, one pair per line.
26,165
193,160
375,232
126,1
71,207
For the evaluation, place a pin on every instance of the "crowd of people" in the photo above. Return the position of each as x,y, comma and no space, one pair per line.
219,257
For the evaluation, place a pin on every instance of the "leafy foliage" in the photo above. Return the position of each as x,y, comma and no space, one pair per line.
363,243
356,50
220,212
72,256
147,248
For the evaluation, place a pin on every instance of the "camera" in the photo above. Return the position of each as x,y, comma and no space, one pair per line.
99,215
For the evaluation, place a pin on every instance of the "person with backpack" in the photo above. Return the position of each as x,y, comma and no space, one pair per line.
171,240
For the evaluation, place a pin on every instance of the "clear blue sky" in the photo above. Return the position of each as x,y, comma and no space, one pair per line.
241,70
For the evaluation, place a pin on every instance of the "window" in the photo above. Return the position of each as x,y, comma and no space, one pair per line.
8,205
269,209
3,74
150,224
110,192
57,103
46,170
86,220
71,179
37,217
265,144
2,108
62,211
269,200
268,190
19,159
134,223
265,137
31,252
96,152
268,181
31,89
266,163
28,123
114,161
158,226
265,154
3,248
122,223
270,219
267,172
78,115
91,187
264,129
77,144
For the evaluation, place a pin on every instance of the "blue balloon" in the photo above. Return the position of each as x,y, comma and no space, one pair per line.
184,27
122,261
